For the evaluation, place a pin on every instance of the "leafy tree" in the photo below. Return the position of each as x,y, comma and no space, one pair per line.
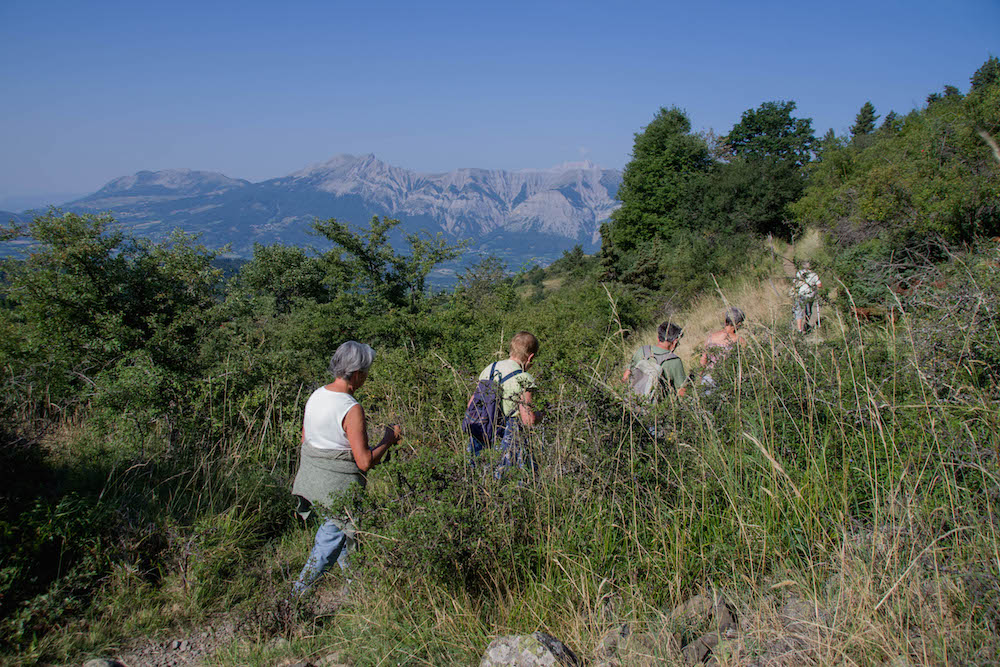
609,257
771,133
174,285
769,147
573,262
486,283
864,122
367,263
71,283
283,273
86,297
983,101
665,159
891,123
534,276
748,196
828,144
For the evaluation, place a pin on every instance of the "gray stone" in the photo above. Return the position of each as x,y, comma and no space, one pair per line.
277,643
609,643
692,611
725,618
101,662
638,644
786,650
805,624
803,617
535,650
659,646
334,659
698,650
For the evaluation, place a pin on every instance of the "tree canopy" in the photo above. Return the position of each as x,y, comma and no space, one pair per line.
666,157
770,132
931,176
864,122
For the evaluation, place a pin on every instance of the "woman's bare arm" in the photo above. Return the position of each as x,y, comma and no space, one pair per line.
357,434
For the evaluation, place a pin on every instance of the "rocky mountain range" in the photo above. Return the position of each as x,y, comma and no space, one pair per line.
519,215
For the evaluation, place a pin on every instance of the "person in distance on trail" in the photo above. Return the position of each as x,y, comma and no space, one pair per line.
335,456
805,289
515,413
654,368
720,343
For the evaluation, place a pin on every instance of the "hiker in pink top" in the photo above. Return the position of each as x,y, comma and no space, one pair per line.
720,343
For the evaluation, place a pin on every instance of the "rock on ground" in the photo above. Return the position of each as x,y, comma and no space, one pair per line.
692,611
805,625
723,617
334,659
535,650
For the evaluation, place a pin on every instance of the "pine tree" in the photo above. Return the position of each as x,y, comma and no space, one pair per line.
891,123
864,122
988,73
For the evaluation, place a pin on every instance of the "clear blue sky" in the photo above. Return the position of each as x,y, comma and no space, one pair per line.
96,90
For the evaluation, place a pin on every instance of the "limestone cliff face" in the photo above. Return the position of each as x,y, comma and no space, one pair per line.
569,201
566,203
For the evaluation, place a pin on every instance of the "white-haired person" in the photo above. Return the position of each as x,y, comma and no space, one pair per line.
335,456
720,343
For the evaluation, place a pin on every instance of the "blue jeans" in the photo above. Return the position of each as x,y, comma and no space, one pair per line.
333,543
514,448
475,447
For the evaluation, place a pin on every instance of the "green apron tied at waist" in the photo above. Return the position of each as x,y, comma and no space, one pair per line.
325,474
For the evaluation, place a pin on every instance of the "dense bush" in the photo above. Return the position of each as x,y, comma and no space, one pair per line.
930,174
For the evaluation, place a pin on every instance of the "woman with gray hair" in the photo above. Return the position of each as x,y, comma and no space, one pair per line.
335,456
720,343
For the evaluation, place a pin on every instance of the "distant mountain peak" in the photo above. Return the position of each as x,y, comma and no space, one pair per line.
176,182
564,204
340,163
586,165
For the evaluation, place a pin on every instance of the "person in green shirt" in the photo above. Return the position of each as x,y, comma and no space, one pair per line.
519,415
672,375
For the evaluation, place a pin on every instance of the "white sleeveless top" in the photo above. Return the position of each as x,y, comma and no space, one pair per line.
323,423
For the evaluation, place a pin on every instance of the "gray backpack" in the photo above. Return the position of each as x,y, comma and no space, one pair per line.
647,373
